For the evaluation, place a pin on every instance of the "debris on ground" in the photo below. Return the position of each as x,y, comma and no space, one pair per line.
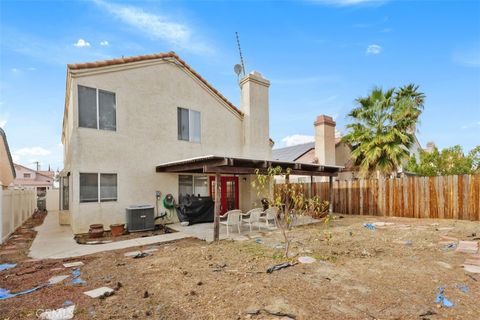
467,247
73,264
444,264
132,253
428,313
462,287
76,277
369,226
442,300
57,279
65,313
142,255
306,259
450,246
99,292
259,240
471,268
5,294
6,266
280,266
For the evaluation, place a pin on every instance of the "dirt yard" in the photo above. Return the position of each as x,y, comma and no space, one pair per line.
391,272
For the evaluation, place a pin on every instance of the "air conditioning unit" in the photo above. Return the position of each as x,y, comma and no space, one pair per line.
140,218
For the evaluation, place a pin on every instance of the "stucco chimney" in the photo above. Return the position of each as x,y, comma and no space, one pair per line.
254,104
325,140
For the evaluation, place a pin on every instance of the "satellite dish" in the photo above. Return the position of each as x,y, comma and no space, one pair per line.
238,69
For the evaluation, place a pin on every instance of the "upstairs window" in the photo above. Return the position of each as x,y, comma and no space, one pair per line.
97,109
189,128
27,175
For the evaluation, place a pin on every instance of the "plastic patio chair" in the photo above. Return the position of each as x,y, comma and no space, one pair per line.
253,216
269,214
233,217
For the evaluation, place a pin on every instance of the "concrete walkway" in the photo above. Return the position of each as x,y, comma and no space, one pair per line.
56,242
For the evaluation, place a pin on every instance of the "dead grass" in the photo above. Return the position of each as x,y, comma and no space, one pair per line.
359,274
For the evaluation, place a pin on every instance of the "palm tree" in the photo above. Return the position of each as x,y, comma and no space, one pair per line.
383,128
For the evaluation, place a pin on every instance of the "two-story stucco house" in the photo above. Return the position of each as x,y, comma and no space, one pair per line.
124,117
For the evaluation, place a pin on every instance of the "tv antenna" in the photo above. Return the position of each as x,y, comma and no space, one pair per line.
239,68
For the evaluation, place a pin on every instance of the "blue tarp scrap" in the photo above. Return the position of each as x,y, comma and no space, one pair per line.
76,277
462,287
369,226
6,266
5,294
441,298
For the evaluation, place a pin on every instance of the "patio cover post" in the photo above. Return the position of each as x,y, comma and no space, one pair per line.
330,190
216,218
311,186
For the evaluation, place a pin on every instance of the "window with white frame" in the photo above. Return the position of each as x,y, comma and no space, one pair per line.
96,109
98,186
192,185
189,128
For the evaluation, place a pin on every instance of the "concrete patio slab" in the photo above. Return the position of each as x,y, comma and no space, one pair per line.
56,242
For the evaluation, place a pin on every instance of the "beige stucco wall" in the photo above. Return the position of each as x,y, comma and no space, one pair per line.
147,99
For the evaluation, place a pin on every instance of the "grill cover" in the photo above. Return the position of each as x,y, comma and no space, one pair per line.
194,209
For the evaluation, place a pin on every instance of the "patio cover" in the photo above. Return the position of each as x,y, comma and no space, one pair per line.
219,165
230,165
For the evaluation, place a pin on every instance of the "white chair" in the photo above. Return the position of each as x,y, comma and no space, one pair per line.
253,216
269,214
234,217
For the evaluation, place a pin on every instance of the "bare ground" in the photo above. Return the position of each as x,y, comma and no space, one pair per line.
359,274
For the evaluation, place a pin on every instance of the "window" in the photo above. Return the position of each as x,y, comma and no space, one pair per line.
65,192
96,109
108,187
26,175
88,187
188,122
90,190
192,185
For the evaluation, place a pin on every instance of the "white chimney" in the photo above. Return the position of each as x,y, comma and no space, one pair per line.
254,104
325,140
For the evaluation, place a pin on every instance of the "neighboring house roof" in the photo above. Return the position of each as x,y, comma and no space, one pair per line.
46,174
292,153
121,61
4,137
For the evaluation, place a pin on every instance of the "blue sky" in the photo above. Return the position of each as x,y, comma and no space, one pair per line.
318,55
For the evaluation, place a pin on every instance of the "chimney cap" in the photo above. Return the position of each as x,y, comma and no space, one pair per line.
255,77
324,119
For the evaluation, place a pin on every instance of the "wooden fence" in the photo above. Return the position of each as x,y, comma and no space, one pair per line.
447,197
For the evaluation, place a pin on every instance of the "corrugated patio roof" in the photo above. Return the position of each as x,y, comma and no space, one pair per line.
230,165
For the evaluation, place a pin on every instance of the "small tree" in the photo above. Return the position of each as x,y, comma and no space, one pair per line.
449,161
290,199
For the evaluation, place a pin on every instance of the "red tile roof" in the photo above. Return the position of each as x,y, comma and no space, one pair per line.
119,61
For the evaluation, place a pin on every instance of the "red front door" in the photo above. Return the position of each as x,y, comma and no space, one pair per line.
228,193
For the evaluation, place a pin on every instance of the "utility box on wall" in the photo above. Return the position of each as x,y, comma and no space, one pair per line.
140,218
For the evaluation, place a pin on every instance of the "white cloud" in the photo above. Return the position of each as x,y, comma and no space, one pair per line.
471,125
159,27
295,139
3,122
30,152
104,43
373,49
344,3
81,43
467,58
